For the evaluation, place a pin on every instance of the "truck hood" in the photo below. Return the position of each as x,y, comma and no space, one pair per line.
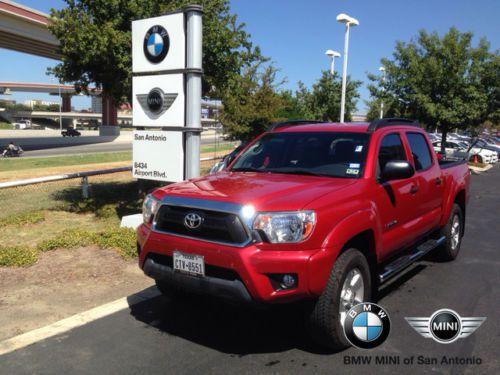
265,191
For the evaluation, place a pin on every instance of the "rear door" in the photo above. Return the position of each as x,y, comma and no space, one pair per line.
428,184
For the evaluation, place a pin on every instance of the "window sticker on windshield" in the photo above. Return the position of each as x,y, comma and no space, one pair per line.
354,165
354,172
358,148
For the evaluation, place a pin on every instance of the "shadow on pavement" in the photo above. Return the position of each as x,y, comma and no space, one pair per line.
238,329
228,328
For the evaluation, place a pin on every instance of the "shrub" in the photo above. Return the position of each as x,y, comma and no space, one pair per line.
23,219
122,240
17,256
68,239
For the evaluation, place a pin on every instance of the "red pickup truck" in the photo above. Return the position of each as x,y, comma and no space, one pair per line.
317,211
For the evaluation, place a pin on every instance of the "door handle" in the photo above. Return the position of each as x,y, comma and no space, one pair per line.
413,189
439,181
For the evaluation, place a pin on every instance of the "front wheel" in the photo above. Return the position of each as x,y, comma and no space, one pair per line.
348,285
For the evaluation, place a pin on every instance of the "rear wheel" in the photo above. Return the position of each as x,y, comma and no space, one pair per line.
349,284
453,233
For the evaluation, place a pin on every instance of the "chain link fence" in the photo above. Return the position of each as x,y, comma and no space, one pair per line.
82,193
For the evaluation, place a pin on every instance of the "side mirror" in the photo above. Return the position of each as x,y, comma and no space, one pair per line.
397,170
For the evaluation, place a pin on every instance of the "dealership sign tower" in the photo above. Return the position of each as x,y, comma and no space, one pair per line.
167,69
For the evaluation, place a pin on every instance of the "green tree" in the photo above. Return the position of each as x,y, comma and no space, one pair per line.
443,82
253,102
326,95
95,43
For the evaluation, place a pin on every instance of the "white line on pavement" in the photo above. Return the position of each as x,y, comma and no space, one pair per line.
74,321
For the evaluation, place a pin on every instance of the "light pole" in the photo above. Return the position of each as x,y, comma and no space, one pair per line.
348,21
60,101
333,54
60,107
382,69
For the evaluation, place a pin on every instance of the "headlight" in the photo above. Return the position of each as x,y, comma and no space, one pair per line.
149,208
286,227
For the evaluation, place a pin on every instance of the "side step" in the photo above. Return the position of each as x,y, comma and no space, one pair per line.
407,259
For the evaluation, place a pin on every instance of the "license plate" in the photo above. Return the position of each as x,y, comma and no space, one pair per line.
189,263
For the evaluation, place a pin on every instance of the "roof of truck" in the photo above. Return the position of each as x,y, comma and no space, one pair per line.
355,127
352,127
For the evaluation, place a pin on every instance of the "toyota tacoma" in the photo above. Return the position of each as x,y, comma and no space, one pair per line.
320,212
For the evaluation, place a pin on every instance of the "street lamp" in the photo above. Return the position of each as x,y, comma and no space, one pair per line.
382,69
333,55
348,21
60,101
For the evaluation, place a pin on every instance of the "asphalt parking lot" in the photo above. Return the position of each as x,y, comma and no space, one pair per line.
160,336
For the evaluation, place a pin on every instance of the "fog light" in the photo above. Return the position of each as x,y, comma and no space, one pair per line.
288,281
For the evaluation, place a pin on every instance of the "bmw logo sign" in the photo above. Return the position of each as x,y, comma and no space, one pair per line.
156,44
367,325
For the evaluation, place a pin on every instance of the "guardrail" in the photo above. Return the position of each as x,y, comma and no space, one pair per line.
68,176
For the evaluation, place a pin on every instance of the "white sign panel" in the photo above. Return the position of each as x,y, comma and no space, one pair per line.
159,43
158,100
158,155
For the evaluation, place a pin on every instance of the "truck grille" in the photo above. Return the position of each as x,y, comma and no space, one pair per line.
221,227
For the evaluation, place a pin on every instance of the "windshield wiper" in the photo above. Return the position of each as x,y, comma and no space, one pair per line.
246,169
296,171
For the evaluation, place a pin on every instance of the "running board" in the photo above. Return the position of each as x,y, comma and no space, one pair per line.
404,261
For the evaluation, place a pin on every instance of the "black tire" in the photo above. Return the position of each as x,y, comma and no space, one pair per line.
450,249
323,319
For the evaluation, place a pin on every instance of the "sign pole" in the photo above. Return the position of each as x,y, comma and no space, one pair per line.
193,88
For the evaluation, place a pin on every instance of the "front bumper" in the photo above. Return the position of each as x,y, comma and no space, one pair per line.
241,274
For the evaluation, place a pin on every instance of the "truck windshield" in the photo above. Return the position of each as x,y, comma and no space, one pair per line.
308,153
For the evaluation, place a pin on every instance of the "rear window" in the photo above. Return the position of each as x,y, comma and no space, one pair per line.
308,153
420,151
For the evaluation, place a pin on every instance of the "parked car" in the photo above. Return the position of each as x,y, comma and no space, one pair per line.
70,132
453,149
461,150
227,159
318,212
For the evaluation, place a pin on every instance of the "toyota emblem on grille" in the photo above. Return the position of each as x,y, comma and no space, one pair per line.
192,220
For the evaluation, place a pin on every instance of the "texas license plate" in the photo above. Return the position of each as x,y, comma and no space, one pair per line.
189,263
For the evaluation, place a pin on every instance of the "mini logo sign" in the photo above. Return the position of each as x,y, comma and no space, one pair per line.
367,325
156,102
156,44
445,326
192,220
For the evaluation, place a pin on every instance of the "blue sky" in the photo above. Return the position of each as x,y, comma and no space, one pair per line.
295,34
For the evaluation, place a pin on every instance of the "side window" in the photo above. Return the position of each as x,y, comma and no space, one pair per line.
420,151
391,148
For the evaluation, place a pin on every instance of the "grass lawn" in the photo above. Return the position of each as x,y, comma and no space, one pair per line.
57,217
17,164
223,147
6,126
